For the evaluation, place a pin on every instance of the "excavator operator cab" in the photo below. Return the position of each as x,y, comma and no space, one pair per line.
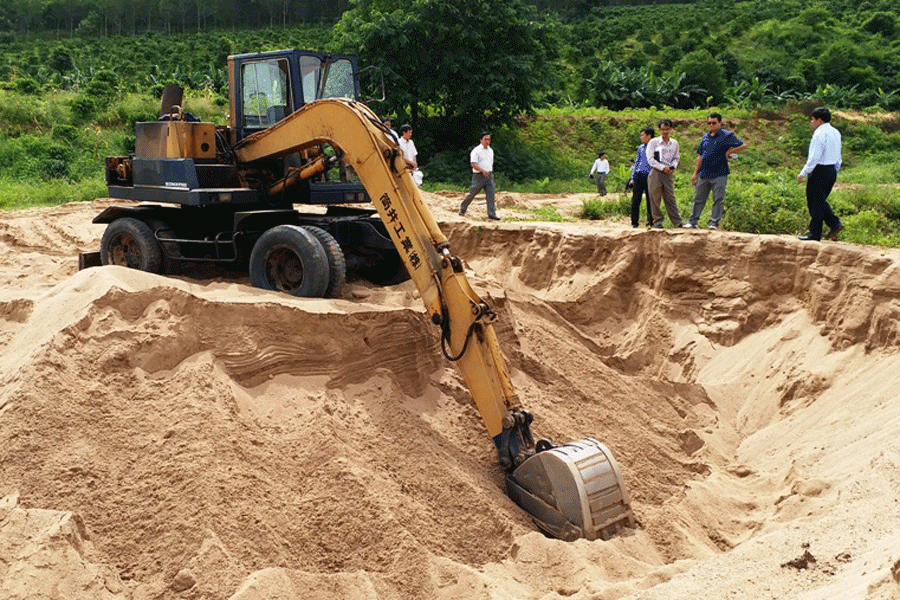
268,86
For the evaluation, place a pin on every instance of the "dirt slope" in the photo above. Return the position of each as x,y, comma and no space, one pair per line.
197,438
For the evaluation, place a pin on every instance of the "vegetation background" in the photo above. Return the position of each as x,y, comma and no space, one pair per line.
555,80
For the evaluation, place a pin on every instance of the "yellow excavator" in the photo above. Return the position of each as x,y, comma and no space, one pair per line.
229,194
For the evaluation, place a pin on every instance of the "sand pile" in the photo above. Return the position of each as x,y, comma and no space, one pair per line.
184,438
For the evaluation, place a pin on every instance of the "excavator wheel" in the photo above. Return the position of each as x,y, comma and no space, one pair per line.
288,258
130,243
337,266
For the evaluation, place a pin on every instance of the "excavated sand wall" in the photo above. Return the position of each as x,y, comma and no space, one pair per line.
202,439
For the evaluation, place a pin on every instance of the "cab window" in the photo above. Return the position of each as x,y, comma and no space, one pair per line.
265,93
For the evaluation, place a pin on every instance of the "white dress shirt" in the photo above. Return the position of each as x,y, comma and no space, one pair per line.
824,149
601,165
483,157
669,154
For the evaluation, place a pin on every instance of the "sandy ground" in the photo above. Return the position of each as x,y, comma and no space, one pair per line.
185,437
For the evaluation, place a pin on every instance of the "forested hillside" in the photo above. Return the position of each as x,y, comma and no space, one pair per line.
556,80
562,52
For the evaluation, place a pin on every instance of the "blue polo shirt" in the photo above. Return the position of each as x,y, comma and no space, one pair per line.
713,149
640,162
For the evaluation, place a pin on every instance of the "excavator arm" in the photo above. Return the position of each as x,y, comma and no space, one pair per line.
574,490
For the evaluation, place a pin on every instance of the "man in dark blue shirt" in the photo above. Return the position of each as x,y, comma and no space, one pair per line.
711,170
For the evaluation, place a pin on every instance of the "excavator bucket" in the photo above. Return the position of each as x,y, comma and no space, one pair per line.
573,491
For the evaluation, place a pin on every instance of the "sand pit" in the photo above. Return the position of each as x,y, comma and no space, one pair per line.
175,437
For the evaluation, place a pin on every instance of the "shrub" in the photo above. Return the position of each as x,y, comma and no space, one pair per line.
603,209
61,60
777,206
868,139
83,108
871,227
55,169
65,133
29,86
451,166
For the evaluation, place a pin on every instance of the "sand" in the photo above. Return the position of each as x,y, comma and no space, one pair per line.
193,437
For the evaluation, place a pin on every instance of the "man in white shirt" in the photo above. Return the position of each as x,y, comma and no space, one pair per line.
408,147
663,154
393,134
601,168
822,165
482,160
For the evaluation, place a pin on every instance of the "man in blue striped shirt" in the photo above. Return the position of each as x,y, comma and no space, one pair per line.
822,165
639,180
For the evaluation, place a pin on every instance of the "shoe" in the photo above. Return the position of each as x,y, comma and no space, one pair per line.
808,238
657,227
713,226
462,214
832,235
688,226
494,218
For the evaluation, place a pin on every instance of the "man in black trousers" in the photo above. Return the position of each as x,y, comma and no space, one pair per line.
822,165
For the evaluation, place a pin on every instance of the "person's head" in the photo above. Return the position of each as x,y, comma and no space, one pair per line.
406,131
647,134
601,155
631,161
485,139
387,122
820,115
665,128
714,122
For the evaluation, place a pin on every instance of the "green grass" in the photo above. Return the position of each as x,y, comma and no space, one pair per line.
17,195
52,148
547,214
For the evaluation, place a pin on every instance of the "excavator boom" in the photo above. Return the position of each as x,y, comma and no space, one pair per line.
571,491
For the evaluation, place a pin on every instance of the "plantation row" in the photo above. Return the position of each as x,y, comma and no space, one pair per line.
751,53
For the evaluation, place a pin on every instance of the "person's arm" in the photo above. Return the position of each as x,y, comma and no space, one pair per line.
677,155
593,169
651,148
737,145
837,165
414,162
696,170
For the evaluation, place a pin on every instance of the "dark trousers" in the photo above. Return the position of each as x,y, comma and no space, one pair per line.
640,189
818,186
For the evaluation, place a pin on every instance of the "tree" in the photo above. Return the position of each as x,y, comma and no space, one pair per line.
704,74
476,62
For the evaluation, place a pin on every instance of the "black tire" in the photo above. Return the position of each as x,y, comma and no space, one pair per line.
337,265
288,258
128,242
